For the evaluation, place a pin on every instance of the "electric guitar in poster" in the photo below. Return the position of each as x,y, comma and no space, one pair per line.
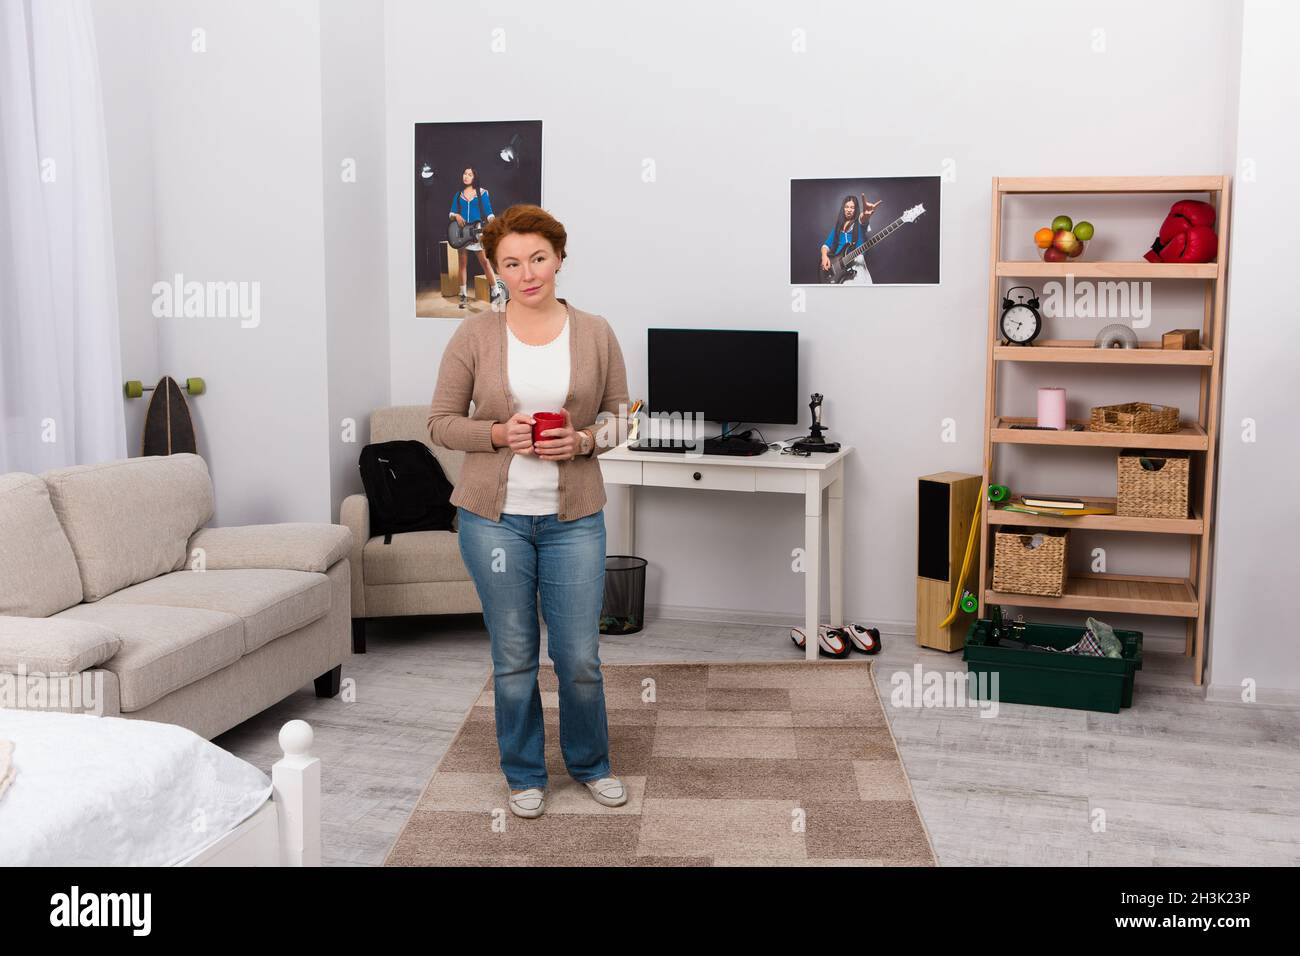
841,269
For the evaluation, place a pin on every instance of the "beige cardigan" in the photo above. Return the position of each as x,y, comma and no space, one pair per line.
474,366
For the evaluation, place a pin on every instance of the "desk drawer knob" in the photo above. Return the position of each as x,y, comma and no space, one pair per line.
697,476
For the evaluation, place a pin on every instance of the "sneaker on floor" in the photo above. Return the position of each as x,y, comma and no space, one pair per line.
608,790
863,639
462,300
528,803
831,641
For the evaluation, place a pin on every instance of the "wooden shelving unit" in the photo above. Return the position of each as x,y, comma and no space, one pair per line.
1107,270
998,515
1190,437
1083,352
1185,598
1117,593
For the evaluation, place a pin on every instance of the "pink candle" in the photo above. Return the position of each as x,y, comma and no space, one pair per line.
1051,408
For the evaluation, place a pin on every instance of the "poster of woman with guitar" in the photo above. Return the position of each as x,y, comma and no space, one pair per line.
471,210
891,238
845,235
465,175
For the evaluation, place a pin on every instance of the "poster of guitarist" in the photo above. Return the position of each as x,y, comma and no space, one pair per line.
471,210
847,235
465,174
883,231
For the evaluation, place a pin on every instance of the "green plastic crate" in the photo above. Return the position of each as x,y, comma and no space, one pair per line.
1053,680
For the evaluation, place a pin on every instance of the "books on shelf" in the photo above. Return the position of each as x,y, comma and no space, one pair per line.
1058,507
1046,501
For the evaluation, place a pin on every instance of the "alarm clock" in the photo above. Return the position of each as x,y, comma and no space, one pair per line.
1021,321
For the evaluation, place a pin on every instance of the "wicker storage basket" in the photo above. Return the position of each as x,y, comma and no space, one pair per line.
1152,484
1135,417
1021,568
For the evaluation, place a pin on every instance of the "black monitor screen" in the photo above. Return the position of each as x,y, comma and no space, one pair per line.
724,375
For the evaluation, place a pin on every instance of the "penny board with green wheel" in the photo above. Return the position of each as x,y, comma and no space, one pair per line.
168,427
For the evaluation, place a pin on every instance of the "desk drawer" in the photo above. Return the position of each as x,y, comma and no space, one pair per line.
682,475
620,472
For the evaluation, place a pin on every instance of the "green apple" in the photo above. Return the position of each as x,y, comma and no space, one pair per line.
1062,222
1083,231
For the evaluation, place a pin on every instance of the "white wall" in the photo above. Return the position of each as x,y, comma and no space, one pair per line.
356,294
237,165
715,96
1258,519
225,167
123,31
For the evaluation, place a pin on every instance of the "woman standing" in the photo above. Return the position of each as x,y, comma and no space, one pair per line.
846,232
530,512
469,205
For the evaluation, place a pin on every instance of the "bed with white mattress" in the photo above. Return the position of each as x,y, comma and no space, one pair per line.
81,790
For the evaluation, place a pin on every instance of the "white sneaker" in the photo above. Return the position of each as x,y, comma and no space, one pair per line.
528,803
608,790
830,641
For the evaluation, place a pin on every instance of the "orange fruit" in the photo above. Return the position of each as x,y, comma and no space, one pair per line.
1043,238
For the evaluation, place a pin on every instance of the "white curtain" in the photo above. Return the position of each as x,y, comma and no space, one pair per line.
60,363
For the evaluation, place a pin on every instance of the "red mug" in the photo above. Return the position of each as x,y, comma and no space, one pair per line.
545,421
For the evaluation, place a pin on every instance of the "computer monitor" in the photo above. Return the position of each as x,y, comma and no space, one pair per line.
724,375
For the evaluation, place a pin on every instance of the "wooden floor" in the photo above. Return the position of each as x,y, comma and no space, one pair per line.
1172,781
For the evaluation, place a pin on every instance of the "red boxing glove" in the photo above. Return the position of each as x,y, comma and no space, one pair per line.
1197,244
1196,213
1186,235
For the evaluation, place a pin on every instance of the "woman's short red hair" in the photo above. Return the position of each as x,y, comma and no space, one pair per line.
527,218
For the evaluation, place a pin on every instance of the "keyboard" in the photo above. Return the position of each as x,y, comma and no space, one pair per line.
712,446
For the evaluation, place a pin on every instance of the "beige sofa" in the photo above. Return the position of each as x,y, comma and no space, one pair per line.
107,571
419,572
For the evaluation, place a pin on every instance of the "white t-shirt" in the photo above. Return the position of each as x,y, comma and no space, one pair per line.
539,382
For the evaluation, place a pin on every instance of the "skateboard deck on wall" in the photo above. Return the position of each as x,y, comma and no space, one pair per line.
168,428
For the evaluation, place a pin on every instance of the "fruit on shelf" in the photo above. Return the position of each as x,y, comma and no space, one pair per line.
1063,240
1066,241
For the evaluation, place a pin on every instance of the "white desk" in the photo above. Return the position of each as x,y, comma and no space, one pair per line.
772,471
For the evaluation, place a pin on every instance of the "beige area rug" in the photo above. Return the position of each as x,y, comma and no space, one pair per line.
726,764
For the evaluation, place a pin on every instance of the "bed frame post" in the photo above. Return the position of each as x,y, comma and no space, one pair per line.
296,781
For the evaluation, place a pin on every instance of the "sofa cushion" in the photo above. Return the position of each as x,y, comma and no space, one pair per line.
293,546
51,645
129,520
270,602
38,572
414,557
411,423
163,648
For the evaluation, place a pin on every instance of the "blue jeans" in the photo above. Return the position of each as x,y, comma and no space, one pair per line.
509,561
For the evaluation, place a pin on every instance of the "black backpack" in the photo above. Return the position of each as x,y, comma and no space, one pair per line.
406,488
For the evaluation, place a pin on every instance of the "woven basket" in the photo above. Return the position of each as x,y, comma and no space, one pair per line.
1021,568
1135,417
1156,490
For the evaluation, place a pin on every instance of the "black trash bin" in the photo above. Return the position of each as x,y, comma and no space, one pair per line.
624,608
